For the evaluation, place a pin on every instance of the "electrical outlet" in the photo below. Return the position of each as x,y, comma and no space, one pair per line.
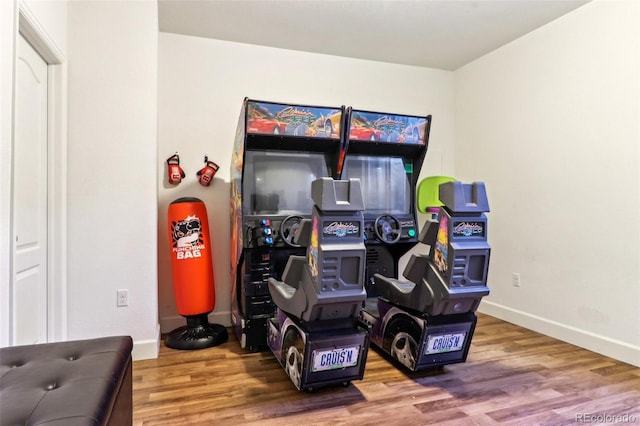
123,297
516,279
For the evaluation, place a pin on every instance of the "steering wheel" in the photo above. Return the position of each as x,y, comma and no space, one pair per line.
289,229
387,228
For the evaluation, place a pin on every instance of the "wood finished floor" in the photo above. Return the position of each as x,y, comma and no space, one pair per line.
512,376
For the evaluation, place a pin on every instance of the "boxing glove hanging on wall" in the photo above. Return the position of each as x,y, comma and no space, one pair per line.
192,272
175,174
206,174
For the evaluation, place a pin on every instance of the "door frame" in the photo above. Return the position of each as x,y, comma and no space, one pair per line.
38,37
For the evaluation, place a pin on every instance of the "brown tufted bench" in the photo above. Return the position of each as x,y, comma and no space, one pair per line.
83,382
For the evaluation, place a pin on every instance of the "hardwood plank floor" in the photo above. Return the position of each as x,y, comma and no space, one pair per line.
512,376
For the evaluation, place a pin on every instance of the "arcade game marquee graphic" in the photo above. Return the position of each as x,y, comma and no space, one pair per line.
278,119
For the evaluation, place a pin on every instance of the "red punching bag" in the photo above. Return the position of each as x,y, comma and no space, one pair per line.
192,271
191,264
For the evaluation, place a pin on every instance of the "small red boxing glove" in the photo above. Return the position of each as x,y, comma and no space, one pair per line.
174,171
207,173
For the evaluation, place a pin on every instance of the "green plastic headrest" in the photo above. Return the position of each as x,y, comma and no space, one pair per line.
428,192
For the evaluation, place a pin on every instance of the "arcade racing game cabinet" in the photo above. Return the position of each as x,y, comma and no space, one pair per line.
279,150
316,335
428,319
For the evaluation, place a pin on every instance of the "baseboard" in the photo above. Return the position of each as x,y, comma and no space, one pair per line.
147,349
170,323
603,345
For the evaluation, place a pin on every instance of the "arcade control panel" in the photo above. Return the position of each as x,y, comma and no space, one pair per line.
266,256
263,231
406,225
260,233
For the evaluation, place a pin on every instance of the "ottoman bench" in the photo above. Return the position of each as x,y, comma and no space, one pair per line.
82,382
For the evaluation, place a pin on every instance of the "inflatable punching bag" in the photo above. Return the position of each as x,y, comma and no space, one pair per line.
192,270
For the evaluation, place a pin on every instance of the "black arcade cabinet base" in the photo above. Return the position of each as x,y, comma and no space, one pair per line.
197,334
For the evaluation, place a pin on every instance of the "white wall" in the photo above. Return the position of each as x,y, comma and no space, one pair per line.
112,152
202,83
551,123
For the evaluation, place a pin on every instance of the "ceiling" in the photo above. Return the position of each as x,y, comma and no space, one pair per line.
443,34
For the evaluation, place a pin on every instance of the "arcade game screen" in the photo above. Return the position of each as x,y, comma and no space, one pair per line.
280,182
384,181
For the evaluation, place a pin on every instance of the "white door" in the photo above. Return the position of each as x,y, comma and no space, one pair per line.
30,283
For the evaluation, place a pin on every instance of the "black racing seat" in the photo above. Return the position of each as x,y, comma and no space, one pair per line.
452,277
327,283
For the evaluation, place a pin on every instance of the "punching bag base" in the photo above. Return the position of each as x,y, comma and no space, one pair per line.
197,334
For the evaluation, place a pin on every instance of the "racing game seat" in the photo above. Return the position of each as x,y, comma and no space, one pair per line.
452,278
327,283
